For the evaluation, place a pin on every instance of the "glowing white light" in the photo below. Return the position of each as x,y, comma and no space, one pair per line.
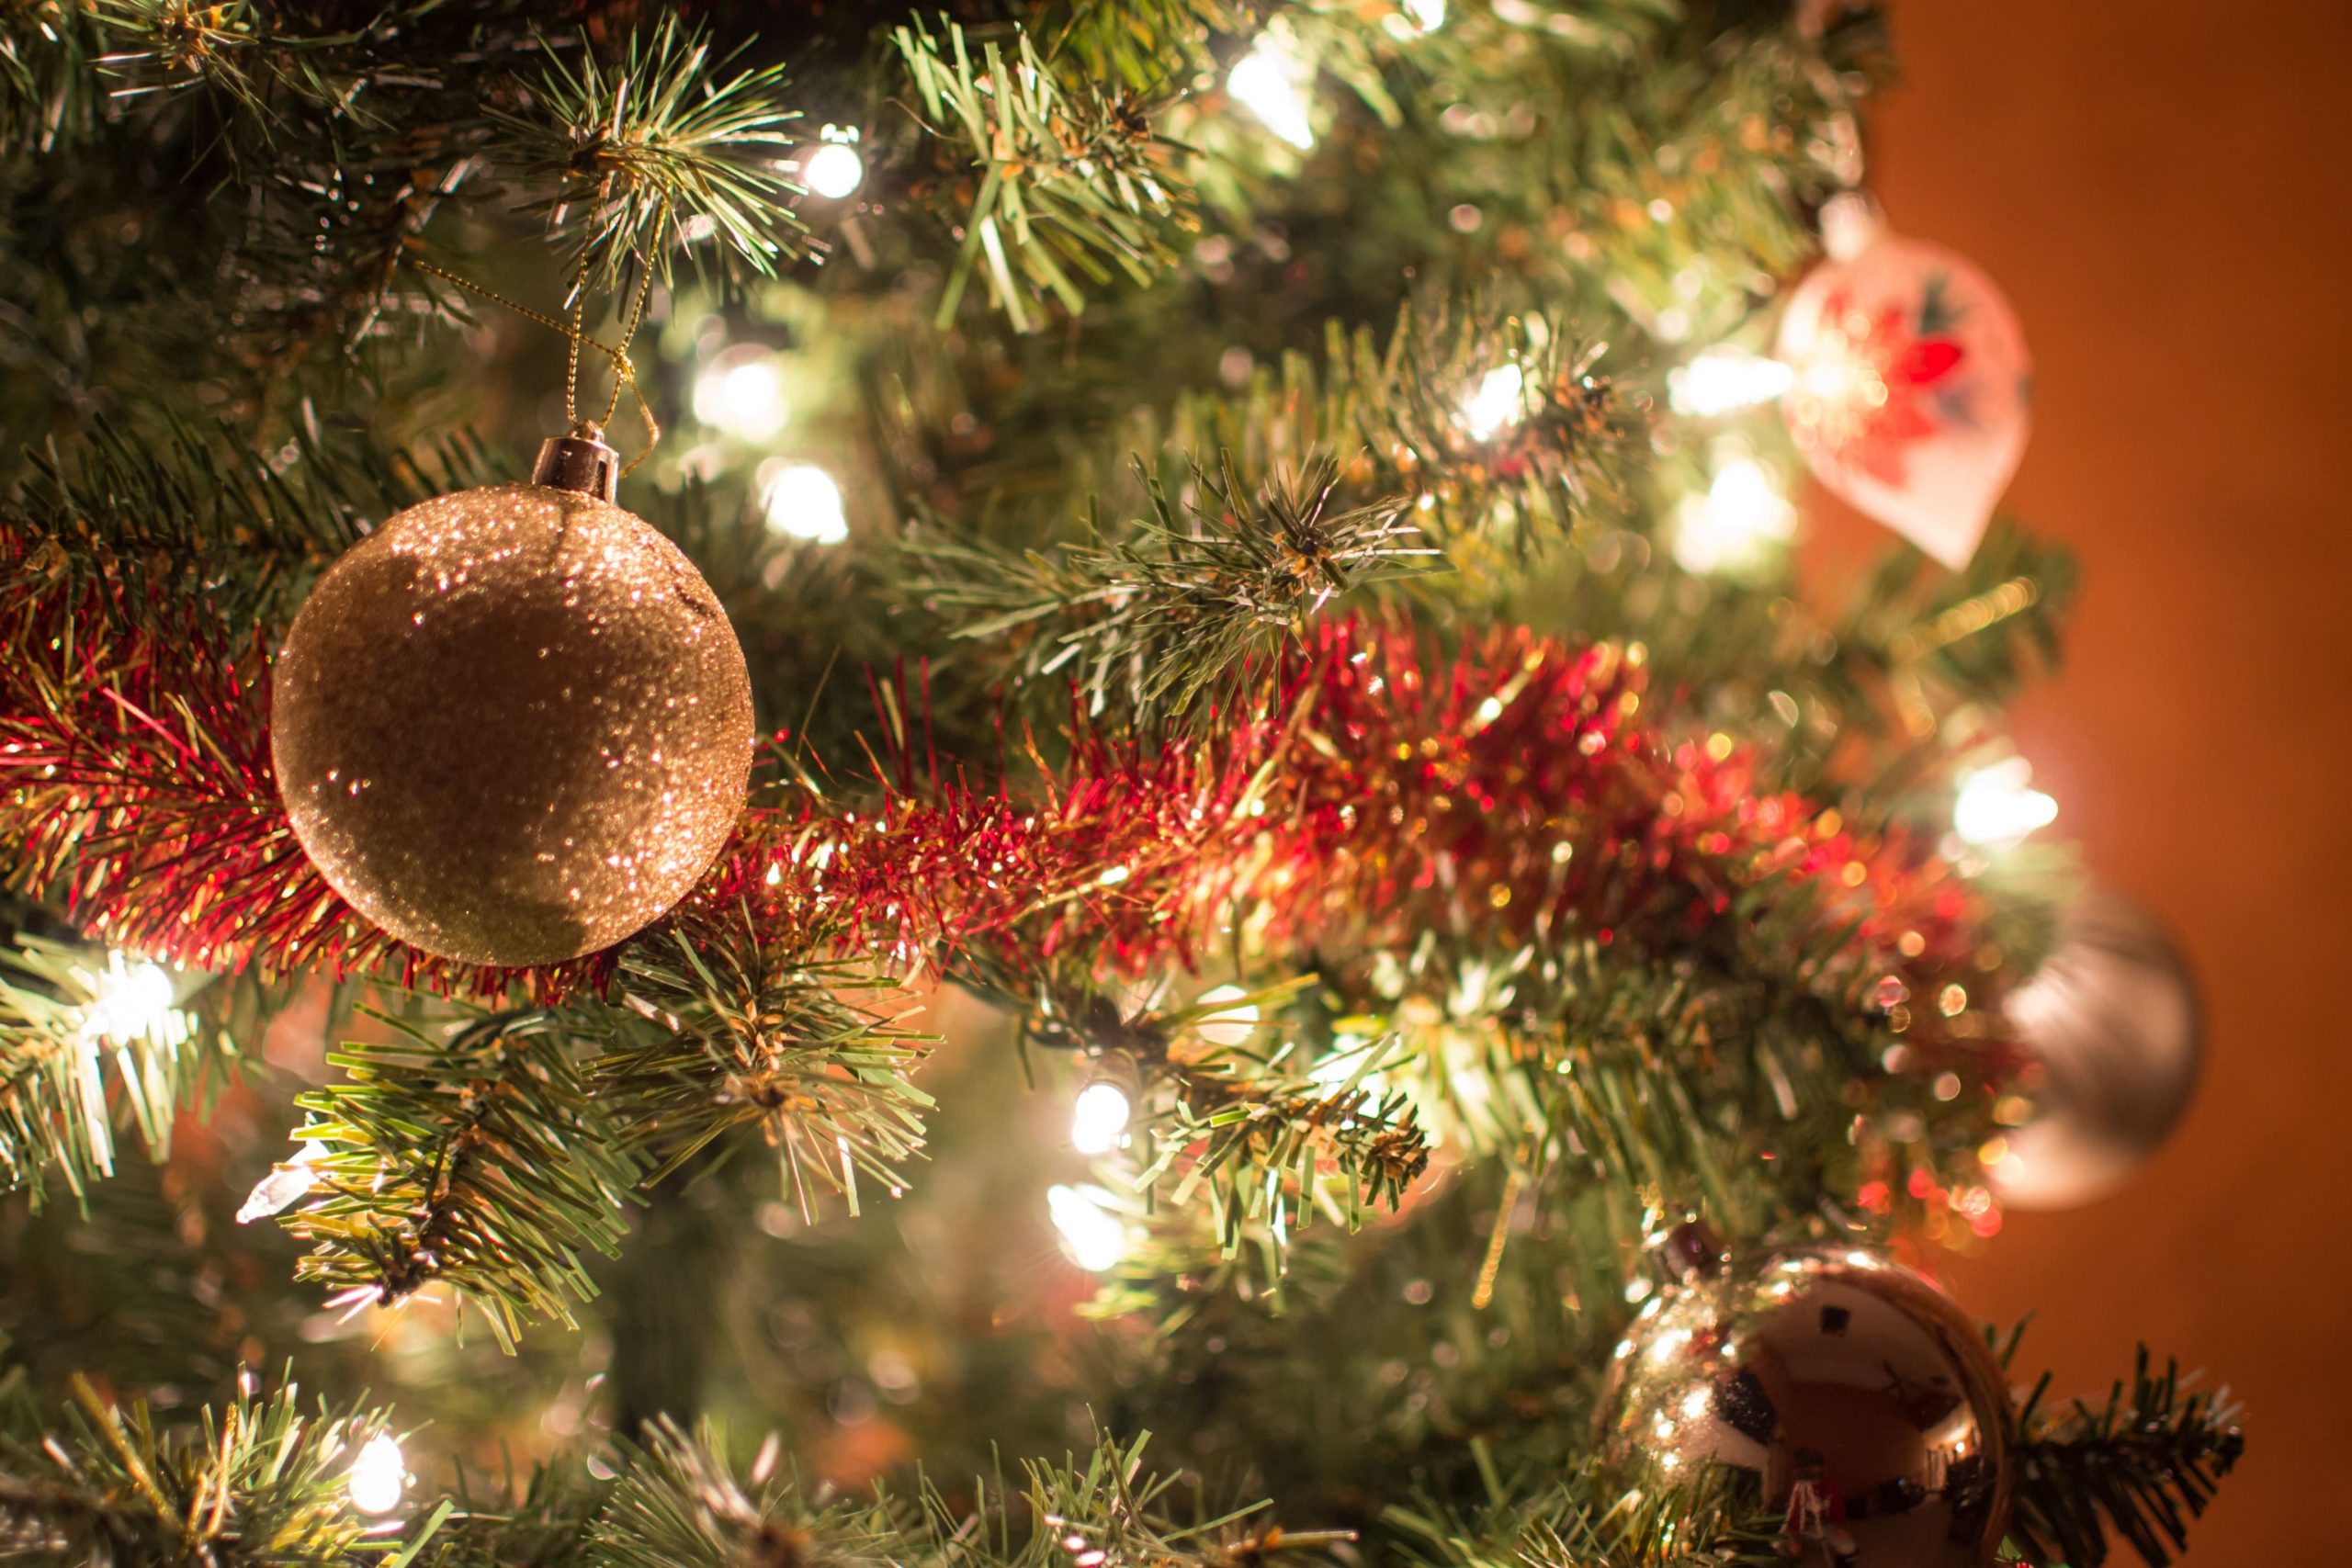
742,395
1996,808
1098,1116
1499,403
1094,1236
802,499
1428,15
1723,380
132,1002
1226,1026
1730,527
379,1476
833,171
1271,82
283,1185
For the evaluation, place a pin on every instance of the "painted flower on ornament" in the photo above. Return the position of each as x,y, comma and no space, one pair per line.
1879,382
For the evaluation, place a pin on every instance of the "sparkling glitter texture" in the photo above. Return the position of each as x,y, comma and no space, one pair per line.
512,726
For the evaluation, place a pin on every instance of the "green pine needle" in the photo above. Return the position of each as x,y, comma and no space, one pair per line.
657,149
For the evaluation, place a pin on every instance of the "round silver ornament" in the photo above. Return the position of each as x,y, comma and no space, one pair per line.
2113,1020
1841,1392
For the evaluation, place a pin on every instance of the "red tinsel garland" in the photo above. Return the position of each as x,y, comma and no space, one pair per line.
1517,789
135,783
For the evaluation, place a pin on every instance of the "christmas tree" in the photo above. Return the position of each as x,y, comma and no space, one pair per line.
1132,852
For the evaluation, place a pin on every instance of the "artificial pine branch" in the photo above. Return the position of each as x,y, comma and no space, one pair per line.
46,72
1143,44
1496,483
186,512
1271,1147
741,1031
2142,1466
1066,178
58,1111
547,1526
341,143
679,1505
1166,612
1581,1521
257,1483
1683,150
1971,636
654,148
1110,1504
479,1161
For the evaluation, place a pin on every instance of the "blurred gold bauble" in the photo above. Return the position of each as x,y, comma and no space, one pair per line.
1840,1391
512,725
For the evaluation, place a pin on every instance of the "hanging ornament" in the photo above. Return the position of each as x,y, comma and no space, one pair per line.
2112,1020
1911,385
1843,1393
512,726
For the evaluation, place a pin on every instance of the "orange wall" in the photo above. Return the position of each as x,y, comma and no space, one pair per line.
2166,191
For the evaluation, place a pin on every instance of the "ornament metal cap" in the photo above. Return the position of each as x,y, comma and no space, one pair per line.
579,461
1691,1251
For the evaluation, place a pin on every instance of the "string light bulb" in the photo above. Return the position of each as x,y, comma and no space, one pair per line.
1997,808
741,394
379,1478
1722,381
1499,402
1099,1115
1731,527
801,500
833,169
1270,82
1092,1233
132,999
284,1186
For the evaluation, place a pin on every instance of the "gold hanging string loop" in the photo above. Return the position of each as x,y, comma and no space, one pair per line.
571,349
575,331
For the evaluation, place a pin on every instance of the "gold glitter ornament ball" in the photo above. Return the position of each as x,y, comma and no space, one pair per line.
512,725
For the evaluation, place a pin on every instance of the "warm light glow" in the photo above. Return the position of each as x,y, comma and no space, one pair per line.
132,1000
1497,404
1271,82
379,1476
834,170
1428,15
285,1184
1724,380
1996,808
802,499
742,395
1099,1116
1731,527
1092,1233
1227,1027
